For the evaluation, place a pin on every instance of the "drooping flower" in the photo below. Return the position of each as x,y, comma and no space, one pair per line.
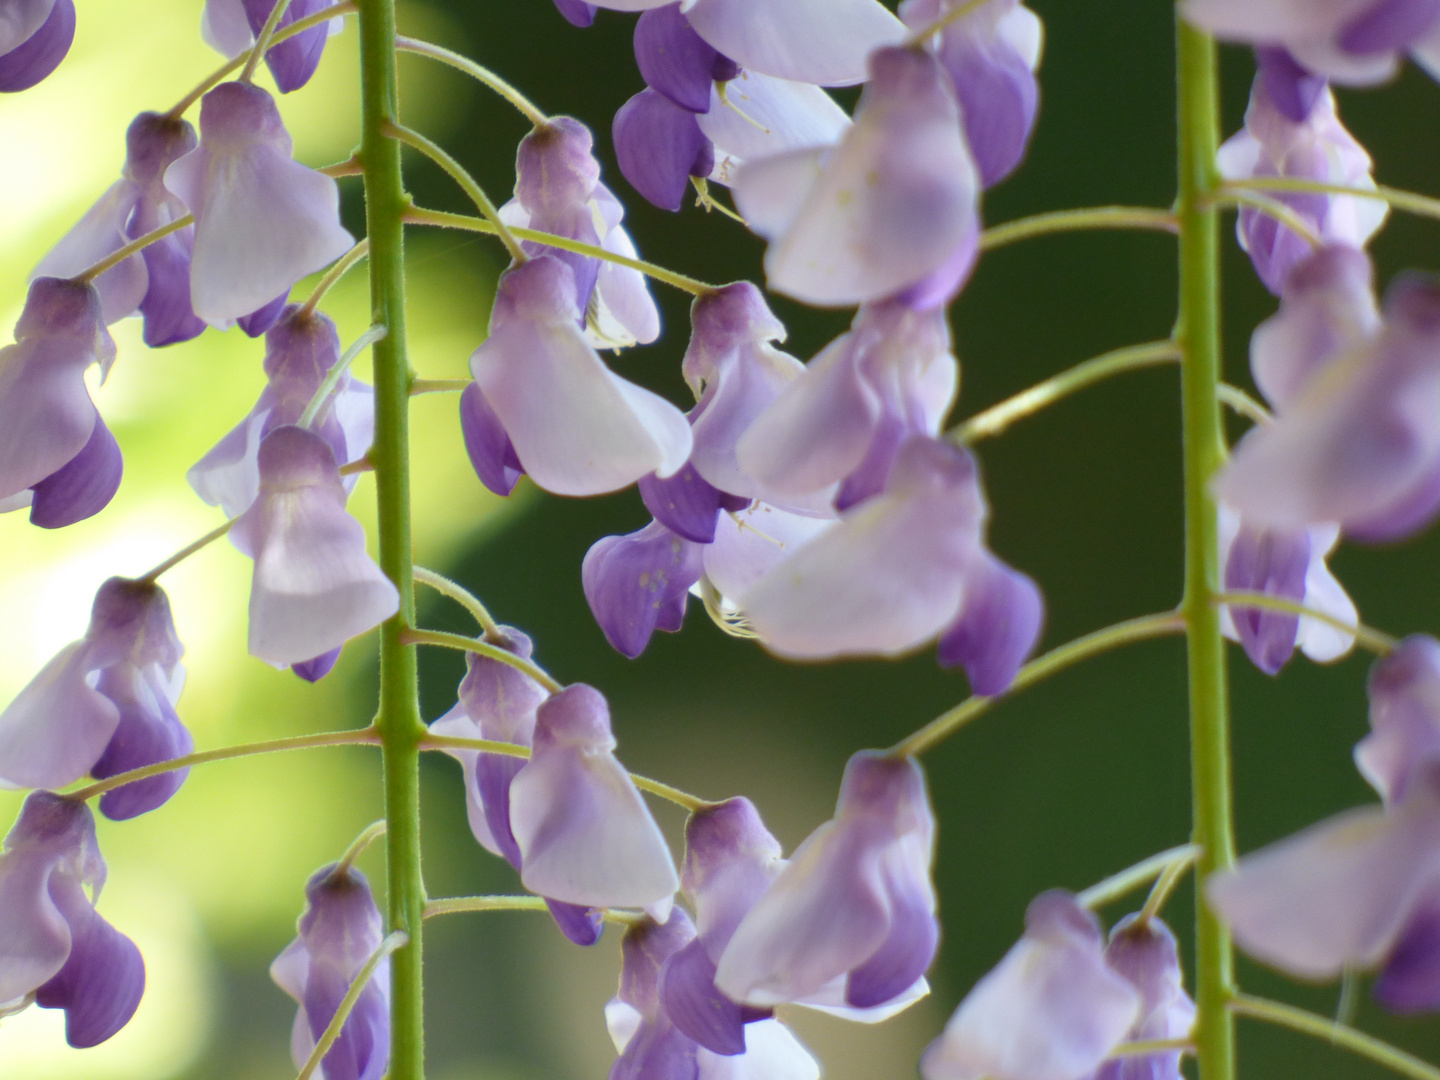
1356,42
55,949
35,35
498,702
1143,951
300,350
584,833
638,583
314,585
1052,1009
1314,147
230,27
56,454
896,201
262,220
991,54
558,190
573,425
339,931
854,907
1404,695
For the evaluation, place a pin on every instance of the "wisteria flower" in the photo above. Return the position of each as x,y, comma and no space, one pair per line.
584,833
56,950
756,116
573,425
1052,1009
1404,693
339,931
855,905
896,201
1144,952
638,583
230,26
56,454
300,350
314,585
35,35
262,220
1313,147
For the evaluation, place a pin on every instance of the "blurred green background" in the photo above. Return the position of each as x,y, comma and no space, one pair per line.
1064,785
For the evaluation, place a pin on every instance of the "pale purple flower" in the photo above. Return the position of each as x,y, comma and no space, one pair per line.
1360,444
999,624
300,350
1358,42
991,54
576,12
1318,148
497,702
573,425
1404,734
55,949
1289,565
230,26
1052,1009
35,35
584,833
855,905
749,543
263,221
339,931
755,116
56,454
558,190
314,585
1144,952
896,201
638,583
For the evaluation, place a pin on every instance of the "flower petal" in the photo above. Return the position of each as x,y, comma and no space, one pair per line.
815,41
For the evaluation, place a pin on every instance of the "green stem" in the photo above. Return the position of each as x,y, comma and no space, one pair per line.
1409,201
262,39
480,74
483,648
1242,404
394,941
455,905
1375,641
368,836
1198,333
1042,667
1089,217
334,274
188,550
139,244
337,371
1271,207
438,386
1322,1027
461,595
1131,878
399,722
994,420
1143,1047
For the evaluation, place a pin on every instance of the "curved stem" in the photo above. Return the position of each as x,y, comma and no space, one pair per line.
188,550
299,26
1268,206
140,243
1409,201
481,74
356,737
482,648
1376,641
371,833
994,420
461,595
1141,1047
335,273
351,166
1042,667
262,39
1322,1027
337,371
467,184
456,905
1238,401
396,940
1090,217
1165,886
418,216
1131,878
438,386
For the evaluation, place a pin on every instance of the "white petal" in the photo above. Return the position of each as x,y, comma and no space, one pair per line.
57,727
225,27
749,543
815,41
34,937
19,19
760,116
228,476
1321,641
98,234
772,1052
772,191
830,999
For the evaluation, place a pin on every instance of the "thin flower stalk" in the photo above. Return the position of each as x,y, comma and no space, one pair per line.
397,939
1272,207
481,74
368,836
188,550
263,40
1122,884
334,274
337,371
1085,218
1409,201
438,386
462,596
140,243
483,648
1376,641
1327,1030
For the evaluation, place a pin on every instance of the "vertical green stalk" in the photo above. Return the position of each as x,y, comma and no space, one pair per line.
1198,333
399,717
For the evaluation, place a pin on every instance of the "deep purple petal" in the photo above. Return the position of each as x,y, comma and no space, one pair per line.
576,12
360,1051
673,58
659,147
999,97
316,668
169,319
1000,622
1389,25
39,54
942,285
633,584
658,1051
907,950
687,991
149,733
493,774
104,977
294,60
491,453
1410,980
684,503
1292,88
84,486
1273,562
582,925
263,318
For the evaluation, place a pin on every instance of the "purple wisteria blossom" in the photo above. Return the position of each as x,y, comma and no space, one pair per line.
546,402
1404,695
755,116
1357,42
651,1043
56,455
230,26
991,53
638,583
1314,146
893,203
35,35
263,221
104,705
55,949
300,350
339,931
314,585
854,911
498,703
1144,952
558,190
584,833
576,12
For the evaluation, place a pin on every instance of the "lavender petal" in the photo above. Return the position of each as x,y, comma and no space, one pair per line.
83,486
